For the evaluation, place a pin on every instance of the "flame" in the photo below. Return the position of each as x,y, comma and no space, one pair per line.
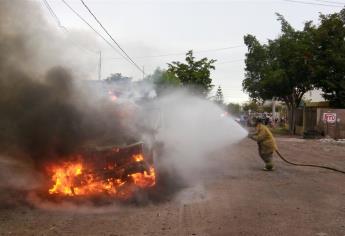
78,179
63,178
146,179
138,158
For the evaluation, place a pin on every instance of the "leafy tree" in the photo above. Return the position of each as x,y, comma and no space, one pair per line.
118,78
164,80
252,106
267,108
234,108
279,69
256,64
194,74
219,97
328,58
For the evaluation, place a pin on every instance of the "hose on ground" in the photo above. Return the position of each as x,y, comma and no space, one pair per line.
309,165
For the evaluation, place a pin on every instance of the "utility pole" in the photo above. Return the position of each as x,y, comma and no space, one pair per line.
100,66
143,72
273,110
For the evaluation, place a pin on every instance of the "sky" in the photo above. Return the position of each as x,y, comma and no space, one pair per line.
148,30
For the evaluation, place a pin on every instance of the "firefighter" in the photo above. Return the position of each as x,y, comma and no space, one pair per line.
266,143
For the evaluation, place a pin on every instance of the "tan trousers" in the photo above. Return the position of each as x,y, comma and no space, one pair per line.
267,158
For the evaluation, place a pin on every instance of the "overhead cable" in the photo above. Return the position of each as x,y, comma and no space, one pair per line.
312,3
52,13
332,2
92,28
231,61
183,53
111,37
64,29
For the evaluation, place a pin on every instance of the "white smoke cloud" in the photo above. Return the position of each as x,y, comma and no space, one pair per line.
191,130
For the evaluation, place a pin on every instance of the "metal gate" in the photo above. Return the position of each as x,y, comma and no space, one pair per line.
310,119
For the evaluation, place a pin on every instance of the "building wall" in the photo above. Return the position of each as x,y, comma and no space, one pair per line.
299,113
334,130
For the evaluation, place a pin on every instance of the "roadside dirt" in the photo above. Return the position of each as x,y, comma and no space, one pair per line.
234,197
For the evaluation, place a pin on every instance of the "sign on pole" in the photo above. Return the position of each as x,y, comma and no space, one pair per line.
329,117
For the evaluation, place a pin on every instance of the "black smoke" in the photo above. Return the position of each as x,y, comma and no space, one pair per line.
44,115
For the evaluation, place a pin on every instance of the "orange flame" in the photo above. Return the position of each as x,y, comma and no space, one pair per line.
75,179
138,157
146,179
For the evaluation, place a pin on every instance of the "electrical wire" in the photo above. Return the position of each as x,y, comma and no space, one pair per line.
309,165
111,37
183,53
312,3
52,13
332,2
92,28
226,62
64,29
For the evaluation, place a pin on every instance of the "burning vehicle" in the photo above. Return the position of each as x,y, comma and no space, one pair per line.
115,165
115,171
112,171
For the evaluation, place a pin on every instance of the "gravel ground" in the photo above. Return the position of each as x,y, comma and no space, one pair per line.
235,197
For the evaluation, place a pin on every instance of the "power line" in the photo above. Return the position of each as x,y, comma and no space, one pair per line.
64,29
93,29
100,66
105,30
226,62
333,2
183,53
52,13
312,3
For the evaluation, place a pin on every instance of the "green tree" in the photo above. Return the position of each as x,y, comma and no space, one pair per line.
194,74
252,106
234,109
279,69
118,78
219,97
328,58
164,80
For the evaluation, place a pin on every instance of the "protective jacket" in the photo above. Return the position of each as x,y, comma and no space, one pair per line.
265,139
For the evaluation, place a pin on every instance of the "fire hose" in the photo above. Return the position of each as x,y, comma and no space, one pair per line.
308,165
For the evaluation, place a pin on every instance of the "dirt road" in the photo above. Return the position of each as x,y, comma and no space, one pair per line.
236,198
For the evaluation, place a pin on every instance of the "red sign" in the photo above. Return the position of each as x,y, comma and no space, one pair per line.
329,117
